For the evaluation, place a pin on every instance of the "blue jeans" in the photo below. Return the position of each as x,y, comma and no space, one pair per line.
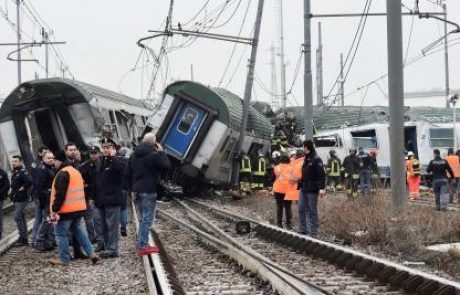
365,181
62,231
38,219
124,211
106,221
147,203
308,213
20,218
441,192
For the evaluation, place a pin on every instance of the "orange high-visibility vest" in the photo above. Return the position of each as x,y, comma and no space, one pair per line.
296,174
454,164
75,196
282,173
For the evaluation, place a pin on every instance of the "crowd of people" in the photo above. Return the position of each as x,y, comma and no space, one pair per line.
66,190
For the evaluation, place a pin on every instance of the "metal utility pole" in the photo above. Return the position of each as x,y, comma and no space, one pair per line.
248,91
282,62
446,54
342,82
396,103
274,87
308,84
191,72
319,68
45,39
18,27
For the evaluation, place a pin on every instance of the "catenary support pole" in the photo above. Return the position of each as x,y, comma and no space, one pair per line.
342,82
446,55
248,91
308,84
18,27
319,68
396,104
282,61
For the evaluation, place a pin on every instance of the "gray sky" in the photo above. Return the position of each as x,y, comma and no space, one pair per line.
101,46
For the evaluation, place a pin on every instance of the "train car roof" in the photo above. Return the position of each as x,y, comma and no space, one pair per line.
228,105
337,117
71,90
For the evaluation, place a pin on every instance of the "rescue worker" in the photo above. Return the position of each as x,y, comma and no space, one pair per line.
413,175
375,173
295,178
88,172
454,163
108,198
333,169
284,140
351,167
259,172
313,185
439,168
365,171
145,164
4,188
280,188
44,178
67,207
245,174
21,184
37,165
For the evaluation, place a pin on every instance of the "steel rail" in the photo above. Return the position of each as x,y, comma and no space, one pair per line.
157,278
12,238
282,281
388,272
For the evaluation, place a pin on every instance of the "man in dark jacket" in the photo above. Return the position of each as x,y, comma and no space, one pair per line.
108,199
21,184
4,188
313,185
365,171
88,171
122,154
42,186
439,168
144,167
67,207
34,171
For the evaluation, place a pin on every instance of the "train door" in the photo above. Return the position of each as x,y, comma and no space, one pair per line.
183,130
410,139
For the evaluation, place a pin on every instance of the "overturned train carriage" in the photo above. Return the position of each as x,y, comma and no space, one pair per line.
199,129
54,111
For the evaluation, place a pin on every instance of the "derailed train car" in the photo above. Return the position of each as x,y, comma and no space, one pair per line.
199,128
54,111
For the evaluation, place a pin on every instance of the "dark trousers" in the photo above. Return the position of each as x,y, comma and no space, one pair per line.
280,205
453,189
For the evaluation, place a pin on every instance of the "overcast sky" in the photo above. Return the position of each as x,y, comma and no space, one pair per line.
101,46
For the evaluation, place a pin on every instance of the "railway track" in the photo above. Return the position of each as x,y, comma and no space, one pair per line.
161,277
215,274
7,252
375,273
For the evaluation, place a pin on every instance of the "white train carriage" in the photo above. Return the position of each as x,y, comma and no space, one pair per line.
54,111
199,127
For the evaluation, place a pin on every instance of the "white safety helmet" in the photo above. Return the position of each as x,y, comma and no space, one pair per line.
410,154
276,154
292,153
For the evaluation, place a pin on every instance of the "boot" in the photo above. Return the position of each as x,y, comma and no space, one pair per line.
78,254
123,232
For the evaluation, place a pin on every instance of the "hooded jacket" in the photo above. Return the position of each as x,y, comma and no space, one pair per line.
144,167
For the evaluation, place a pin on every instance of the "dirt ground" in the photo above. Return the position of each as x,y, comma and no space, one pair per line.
370,226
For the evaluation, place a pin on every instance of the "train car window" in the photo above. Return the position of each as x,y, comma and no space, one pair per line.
365,138
123,125
326,141
186,122
441,137
224,144
229,149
